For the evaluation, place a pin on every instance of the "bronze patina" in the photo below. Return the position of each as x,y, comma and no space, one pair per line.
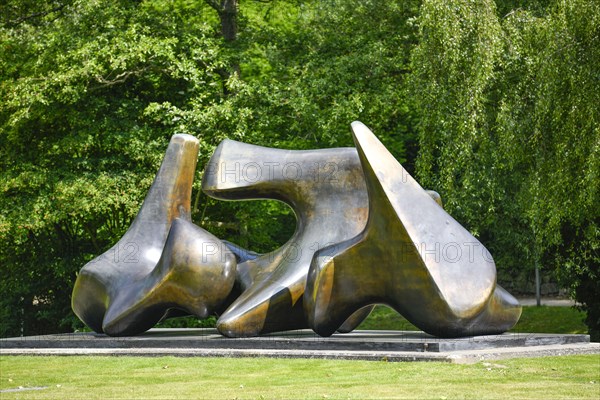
366,233
326,190
412,255
162,263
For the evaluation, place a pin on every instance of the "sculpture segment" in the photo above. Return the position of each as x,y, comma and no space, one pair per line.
156,266
195,274
325,188
412,256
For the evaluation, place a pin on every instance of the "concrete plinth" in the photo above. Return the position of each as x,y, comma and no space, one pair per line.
366,345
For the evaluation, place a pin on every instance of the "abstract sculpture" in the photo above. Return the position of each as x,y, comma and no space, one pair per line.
326,190
367,233
412,256
161,263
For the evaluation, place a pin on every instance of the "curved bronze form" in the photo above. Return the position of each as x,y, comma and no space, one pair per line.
359,316
162,262
412,256
326,190
366,233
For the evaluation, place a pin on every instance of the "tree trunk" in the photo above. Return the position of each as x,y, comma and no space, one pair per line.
228,12
228,15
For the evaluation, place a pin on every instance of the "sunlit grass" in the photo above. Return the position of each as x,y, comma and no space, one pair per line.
542,319
572,377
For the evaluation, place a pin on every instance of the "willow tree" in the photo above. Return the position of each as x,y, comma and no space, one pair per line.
510,133
454,73
549,121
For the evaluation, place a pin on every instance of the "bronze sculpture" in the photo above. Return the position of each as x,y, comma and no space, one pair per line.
367,233
163,261
412,256
326,190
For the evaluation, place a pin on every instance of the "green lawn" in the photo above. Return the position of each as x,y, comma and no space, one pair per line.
551,320
569,377
572,377
542,319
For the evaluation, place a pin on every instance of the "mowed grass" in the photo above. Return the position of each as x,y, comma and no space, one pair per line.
551,320
542,319
568,377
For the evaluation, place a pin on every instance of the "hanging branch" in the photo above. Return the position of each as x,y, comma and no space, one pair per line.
36,15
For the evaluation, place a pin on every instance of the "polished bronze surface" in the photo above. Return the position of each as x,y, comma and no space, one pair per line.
366,233
162,262
412,256
326,190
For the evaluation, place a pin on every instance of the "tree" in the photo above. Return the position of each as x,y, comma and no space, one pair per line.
553,114
510,131
84,125
92,92
228,14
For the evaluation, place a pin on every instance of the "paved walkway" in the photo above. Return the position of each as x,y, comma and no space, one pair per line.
546,301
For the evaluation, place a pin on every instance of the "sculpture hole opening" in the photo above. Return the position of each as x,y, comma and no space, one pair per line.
259,226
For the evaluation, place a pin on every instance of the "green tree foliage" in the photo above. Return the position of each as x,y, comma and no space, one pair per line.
501,99
93,90
562,150
81,136
352,65
453,67
510,131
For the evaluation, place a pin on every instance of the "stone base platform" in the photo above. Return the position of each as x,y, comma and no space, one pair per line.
363,345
